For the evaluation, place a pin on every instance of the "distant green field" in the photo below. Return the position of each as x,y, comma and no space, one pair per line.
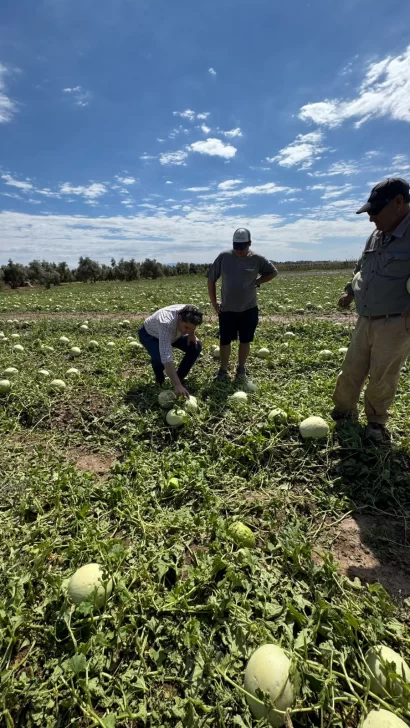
287,293
85,477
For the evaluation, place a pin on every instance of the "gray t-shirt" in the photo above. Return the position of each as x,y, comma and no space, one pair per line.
239,278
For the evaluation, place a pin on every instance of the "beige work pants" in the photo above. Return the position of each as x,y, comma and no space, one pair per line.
379,349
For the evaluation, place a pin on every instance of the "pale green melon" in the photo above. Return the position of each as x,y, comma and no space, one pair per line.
239,397
5,386
262,353
88,581
176,417
278,416
166,399
57,385
268,671
383,719
379,660
314,428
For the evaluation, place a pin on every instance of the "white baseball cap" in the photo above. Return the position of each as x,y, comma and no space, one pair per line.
242,235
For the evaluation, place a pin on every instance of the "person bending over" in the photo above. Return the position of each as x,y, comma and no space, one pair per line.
172,327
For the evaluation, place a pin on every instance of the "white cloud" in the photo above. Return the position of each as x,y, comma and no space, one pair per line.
187,114
168,182
81,97
196,189
190,115
338,168
331,191
176,159
8,107
9,180
159,139
177,235
206,129
229,183
270,188
47,193
90,192
384,92
146,157
212,71
305,150
13,195
232,133
214,148
126,180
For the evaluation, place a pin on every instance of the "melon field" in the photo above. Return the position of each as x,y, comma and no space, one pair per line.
91,473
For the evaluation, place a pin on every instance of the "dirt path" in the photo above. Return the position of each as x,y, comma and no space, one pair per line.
275,318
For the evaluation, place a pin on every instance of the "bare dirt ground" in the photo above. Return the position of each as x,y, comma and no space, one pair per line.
96,463
373,548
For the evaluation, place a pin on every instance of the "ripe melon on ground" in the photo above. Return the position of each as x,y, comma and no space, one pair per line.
239,397
166,399
43,373
72,372
191,404
268,671
325,354
241,534
57,385
176,417
89,581
379,660
383,719
278,416
10,372
314,428
5,386
262,353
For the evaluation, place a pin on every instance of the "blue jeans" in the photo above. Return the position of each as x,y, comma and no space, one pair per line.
151,344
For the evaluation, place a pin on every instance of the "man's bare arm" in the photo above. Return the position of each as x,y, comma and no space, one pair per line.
212,295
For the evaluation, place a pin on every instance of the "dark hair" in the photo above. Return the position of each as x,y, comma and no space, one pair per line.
191,315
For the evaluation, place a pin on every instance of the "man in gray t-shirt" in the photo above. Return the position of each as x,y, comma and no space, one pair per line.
242,272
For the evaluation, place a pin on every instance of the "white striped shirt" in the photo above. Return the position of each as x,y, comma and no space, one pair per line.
163,324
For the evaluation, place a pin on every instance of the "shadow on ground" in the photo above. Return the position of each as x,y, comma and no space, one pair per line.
373,542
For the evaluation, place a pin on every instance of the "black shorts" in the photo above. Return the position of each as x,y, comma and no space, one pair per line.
232,323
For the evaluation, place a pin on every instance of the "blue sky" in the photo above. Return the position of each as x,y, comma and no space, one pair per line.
150,128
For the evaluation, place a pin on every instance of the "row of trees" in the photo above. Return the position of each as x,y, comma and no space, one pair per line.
48,274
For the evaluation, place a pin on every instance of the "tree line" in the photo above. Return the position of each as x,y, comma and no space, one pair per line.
48,274
43,273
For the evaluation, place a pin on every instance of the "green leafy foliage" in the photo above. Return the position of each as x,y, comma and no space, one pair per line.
94,474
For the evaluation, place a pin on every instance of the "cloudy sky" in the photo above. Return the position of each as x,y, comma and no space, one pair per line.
150,128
